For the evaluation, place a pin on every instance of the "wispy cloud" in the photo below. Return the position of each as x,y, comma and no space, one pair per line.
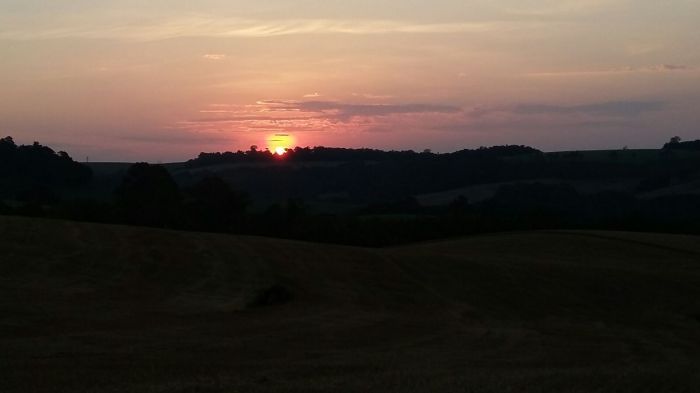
613,108
344,111
371,96
307,116
599,109
214,56
660,68
545,8
210,26
304,116
670,67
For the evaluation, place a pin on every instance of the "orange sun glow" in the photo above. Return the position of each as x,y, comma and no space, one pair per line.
279,143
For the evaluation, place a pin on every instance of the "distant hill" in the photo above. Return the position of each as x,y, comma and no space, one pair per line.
103,308
339,180
365,197
35,173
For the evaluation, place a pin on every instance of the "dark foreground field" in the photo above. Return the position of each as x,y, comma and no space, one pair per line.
92,308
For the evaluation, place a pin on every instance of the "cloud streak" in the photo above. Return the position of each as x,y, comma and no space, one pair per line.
344,111
659,68
206,26
562,7
306,116
613,108
214,56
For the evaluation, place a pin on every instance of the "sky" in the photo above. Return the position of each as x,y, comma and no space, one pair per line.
164,80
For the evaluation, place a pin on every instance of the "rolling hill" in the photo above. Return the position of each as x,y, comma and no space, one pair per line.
99,308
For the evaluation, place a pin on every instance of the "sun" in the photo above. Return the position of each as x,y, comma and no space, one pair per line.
279,143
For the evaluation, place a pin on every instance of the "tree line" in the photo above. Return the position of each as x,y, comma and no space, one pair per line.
147,195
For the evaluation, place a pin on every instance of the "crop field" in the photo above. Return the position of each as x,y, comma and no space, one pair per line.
102,308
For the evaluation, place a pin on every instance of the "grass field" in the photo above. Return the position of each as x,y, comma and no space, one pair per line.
97,308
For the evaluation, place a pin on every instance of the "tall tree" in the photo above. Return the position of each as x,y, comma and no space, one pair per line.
148,195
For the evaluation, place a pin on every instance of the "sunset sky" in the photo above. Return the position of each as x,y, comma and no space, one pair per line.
162,80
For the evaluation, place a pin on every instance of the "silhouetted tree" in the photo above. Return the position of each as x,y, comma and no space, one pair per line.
4,209
7,148
27,167
148,195
39,195
535,205
676,144
211,205
458,207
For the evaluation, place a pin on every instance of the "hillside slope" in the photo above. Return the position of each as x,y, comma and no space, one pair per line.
97,308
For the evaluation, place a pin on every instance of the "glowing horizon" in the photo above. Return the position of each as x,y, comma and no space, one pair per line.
279,143
123,80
